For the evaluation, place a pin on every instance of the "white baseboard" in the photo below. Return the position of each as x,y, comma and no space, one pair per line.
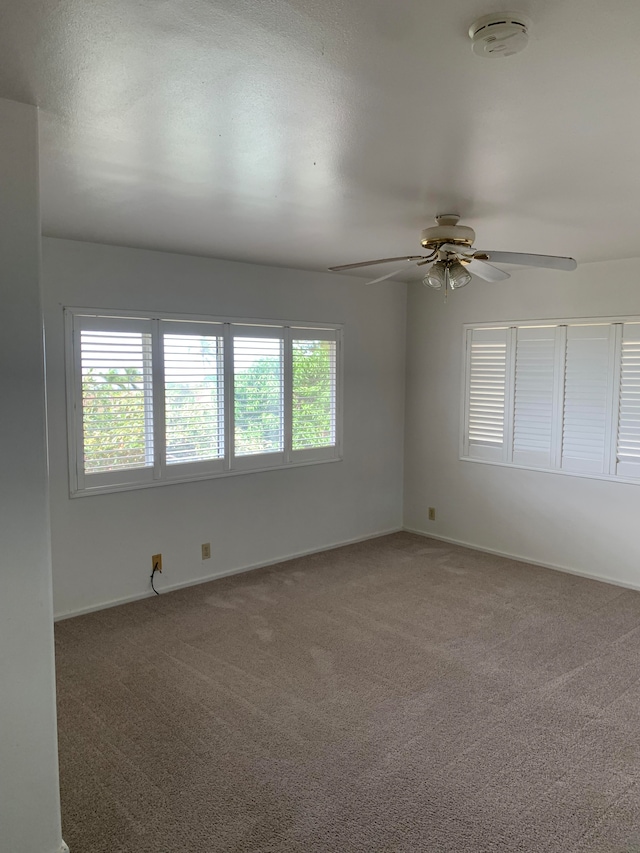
520,559
58,617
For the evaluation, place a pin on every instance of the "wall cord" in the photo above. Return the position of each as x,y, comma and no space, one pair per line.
155,569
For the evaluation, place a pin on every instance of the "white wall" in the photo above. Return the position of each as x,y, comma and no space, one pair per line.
102,544
586,525
29,800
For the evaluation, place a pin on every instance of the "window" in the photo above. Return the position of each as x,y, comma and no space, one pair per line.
167,399
193,395
486,394
314,392
559,396
116,398
258,392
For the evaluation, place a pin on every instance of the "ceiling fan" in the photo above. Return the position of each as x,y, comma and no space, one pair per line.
452,258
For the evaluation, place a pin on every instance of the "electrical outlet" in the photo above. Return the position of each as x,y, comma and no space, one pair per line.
206,551
156,562
432,513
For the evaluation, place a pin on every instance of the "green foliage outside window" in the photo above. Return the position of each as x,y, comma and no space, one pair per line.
117,419
313,394
258,407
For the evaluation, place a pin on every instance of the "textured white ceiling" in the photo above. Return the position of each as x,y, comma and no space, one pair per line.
308,132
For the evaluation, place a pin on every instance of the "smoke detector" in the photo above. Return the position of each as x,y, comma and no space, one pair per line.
500,34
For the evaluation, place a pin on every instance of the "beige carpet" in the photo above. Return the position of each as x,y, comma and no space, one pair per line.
399,695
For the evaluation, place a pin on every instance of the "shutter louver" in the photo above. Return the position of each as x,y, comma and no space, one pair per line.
194,397
117,427
487,393
314,394
586,402
628,445
258,395
534,396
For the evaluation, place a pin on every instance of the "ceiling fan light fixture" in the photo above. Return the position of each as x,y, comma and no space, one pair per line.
447,274
458,275
435,276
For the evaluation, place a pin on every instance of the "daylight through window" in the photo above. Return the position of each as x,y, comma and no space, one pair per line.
155,400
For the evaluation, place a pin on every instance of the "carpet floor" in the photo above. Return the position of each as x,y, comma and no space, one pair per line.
399,695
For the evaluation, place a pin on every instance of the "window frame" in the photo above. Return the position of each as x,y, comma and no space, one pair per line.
160,473
616,324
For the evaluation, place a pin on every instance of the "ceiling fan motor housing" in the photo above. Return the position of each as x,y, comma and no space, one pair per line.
500,34
447,231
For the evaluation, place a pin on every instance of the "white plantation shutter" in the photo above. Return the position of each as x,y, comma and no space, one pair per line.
628,444
113,412
485,433
193,396
588,398
117,430
172,399
564,396
314,392
258,375
535,395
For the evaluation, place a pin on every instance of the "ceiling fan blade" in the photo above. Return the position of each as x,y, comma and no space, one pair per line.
384,277
552,262
486,271
379,261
